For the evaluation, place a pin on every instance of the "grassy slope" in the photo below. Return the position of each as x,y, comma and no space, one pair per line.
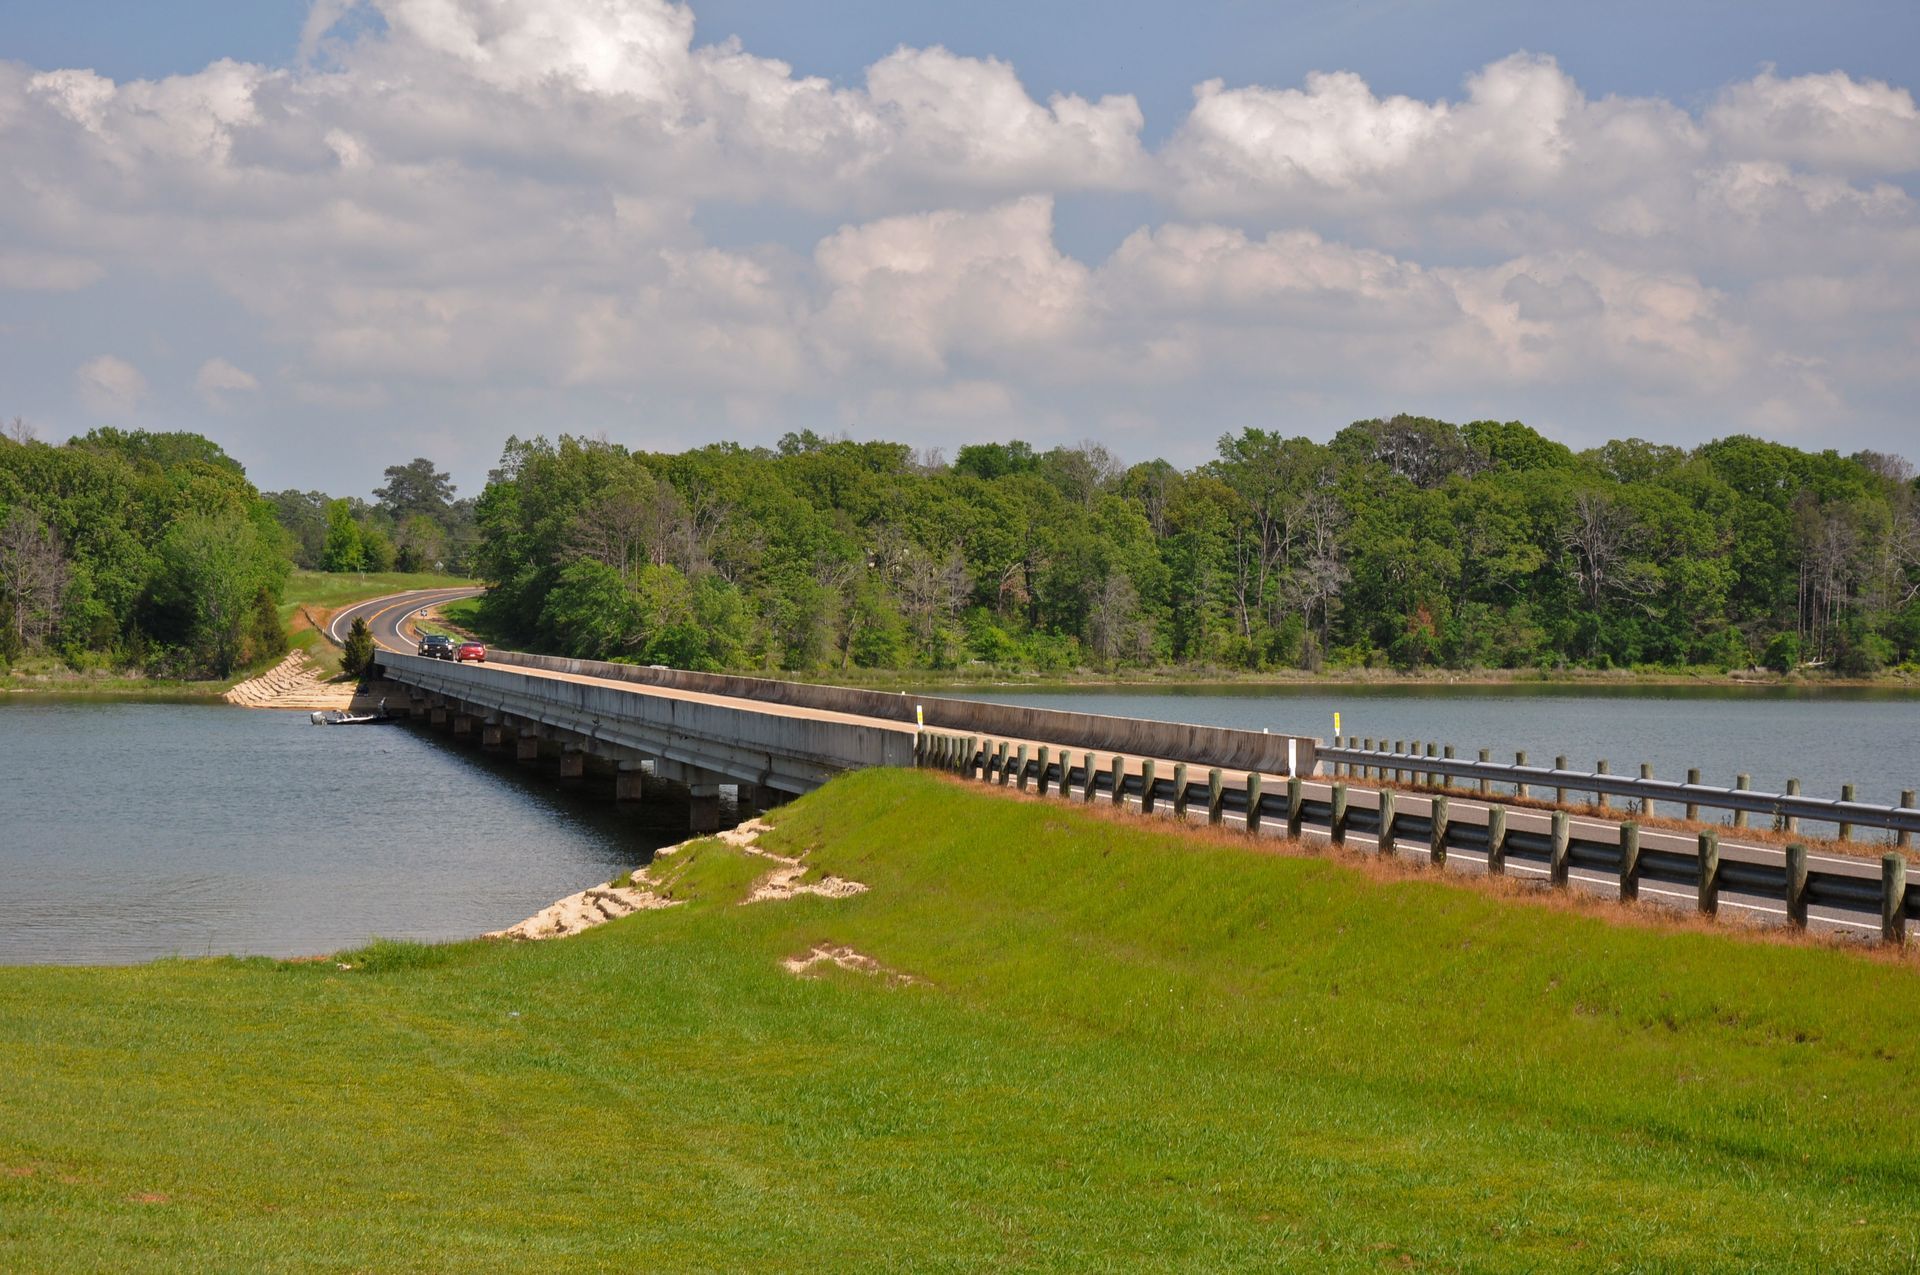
1135,1048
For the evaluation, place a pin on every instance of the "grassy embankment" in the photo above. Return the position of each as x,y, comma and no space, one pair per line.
1128,1047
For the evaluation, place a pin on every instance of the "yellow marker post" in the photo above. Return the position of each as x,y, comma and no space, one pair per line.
919,716
1336,725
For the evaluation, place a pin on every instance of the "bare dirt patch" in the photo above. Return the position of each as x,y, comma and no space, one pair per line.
786,881
583,911
847,959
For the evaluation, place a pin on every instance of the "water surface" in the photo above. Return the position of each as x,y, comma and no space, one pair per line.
135,830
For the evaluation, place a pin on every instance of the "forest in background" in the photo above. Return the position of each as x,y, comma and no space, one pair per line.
128,549
1409,543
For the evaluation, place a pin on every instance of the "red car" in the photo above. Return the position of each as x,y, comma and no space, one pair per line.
471,651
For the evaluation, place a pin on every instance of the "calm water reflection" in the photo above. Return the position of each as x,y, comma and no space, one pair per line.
129,831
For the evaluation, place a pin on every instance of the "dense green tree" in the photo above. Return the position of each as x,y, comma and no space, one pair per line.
1408,541
345,546
356,655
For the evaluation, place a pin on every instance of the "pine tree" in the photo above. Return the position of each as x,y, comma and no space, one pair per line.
357,657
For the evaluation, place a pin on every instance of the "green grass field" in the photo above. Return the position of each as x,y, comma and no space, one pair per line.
1126,1047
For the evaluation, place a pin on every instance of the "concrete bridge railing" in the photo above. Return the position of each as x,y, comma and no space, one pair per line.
789,752
1200,745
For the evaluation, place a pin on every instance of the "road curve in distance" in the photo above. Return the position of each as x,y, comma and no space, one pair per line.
388,617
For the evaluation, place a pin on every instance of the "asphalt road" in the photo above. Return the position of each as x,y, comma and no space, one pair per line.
391,617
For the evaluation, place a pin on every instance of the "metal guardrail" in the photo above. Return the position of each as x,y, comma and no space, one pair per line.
1552,844
1358,762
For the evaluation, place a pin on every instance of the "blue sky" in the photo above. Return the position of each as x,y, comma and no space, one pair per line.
439,225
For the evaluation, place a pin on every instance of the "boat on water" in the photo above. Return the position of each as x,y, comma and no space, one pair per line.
336,717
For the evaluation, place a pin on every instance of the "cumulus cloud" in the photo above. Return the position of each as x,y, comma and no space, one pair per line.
1831,121
502,204
109,385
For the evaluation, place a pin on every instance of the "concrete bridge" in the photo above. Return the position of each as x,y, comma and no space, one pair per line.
677,732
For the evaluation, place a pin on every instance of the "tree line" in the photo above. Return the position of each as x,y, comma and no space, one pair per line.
413,523
1410,543
136,549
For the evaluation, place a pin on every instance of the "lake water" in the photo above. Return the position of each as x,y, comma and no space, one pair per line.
132,830
135,830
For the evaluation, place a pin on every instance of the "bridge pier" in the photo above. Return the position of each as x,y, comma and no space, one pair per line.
757,799
628,782
462,725
573,762
527,746
703,808
493,734
437,714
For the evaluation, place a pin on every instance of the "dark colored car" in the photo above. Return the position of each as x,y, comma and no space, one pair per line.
437,646
470,651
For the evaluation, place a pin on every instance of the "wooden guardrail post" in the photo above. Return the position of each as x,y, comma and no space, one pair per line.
1741,783
1496,840
1045,756
1846,829
1216,793
1893,897
999,771
1520,789
1797,886
1180,791
1903,838
1629,861
1296,797
1486,785
1432,778
1693,807
1790,823
1646,803
1444,780
1388,818
1338,824
1020,769
1253,802
966,762
1601,799
1399,748
1119,780
1709,901
1367,771
1093,768
1437,839
1146,786
1413,772
1560,794
1557,855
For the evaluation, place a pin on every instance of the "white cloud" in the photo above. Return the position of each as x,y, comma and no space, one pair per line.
1830,121
218,378
502,205
109,385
